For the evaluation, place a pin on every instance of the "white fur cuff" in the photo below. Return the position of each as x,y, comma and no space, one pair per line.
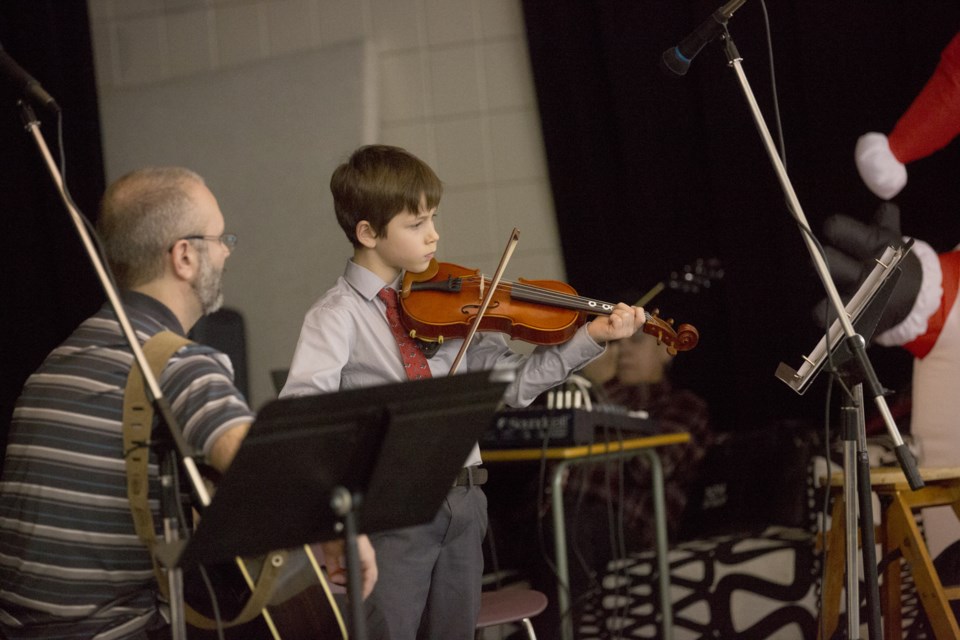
879,169
926,302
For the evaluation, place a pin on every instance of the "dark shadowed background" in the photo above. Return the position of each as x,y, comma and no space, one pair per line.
650,172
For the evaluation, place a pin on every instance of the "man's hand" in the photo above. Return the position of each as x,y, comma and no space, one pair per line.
622,323
334,553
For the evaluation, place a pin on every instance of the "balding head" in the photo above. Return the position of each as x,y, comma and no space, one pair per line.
142,215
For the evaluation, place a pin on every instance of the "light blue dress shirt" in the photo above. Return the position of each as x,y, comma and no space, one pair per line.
345,343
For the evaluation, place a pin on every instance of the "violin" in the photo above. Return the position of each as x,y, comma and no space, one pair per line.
441,303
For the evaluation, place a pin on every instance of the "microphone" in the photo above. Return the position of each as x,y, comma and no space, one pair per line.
25,84
677,59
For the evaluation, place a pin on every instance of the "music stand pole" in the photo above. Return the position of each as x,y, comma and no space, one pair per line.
854,342
849,437
172,438
857,492
344,505
868,543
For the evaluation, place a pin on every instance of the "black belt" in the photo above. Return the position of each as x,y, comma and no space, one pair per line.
472,476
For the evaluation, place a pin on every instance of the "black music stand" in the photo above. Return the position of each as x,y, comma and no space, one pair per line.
394,450
864,311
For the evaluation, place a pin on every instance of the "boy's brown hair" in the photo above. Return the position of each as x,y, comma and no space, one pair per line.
377,183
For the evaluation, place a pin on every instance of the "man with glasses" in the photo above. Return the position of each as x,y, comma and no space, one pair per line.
71,563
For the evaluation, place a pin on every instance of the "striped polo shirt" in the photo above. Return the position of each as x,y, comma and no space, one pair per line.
71,565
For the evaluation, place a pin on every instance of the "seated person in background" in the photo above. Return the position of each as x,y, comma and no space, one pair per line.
632,373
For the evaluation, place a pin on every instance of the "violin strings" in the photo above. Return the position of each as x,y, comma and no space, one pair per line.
548,295
557,296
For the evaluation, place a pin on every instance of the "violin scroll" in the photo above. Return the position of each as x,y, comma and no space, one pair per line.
683,338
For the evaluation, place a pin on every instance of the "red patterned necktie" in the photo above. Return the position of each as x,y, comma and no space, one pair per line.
414,362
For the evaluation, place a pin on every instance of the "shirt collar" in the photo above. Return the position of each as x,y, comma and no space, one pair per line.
142,303
366,282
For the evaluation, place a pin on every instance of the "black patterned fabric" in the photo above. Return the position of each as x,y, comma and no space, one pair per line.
746,586
750,587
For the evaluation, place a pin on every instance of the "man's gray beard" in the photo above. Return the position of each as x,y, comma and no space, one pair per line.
208,286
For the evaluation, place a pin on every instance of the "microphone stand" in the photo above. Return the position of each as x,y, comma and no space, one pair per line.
170,442
860,362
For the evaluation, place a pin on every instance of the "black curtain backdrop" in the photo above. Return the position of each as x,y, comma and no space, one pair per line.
48,284
651,171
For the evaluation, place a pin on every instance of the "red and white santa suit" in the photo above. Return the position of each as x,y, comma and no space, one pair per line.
931,330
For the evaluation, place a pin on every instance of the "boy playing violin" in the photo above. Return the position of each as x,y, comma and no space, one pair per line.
386,200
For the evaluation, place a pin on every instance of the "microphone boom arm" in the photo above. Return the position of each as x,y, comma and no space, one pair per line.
854,475
171,438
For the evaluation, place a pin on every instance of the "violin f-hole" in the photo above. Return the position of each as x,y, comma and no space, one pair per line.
467,308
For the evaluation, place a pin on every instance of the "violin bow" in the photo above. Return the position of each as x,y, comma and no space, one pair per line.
487,297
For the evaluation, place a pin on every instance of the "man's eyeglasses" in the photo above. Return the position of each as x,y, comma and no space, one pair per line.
229,240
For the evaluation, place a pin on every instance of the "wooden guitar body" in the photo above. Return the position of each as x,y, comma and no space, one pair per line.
310,612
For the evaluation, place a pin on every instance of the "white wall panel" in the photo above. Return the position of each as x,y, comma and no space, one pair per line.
266,137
